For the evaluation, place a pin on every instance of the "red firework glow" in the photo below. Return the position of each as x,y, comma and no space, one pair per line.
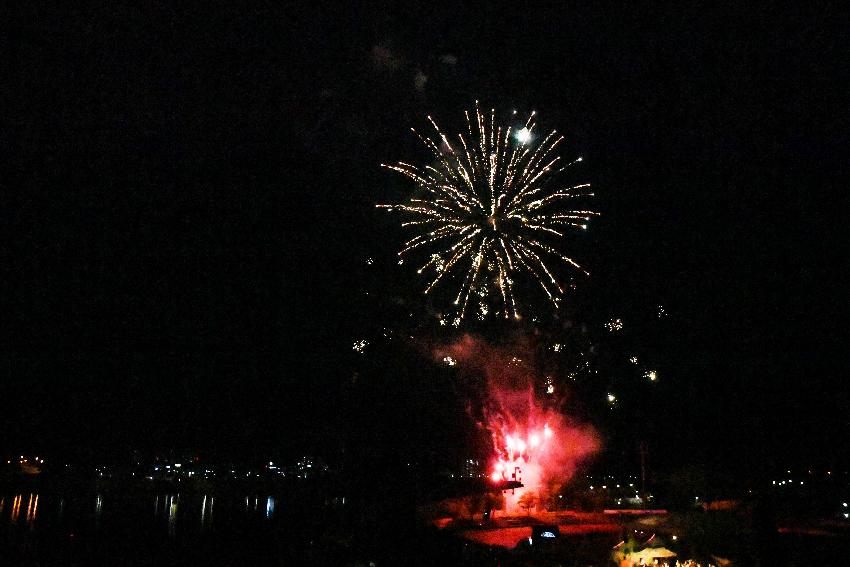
534,442
518,453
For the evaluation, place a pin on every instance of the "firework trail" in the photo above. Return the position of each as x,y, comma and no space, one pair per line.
488,208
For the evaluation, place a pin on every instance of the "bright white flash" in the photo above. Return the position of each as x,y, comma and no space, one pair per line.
523,135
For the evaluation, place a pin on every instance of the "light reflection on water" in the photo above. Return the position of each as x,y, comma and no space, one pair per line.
175,512
251,504
172,514
16,508
207,512
20,502
32,510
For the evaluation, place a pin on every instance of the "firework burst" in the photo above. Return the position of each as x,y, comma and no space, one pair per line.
489,209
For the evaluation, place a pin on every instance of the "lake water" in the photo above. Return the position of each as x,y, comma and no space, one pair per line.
117,529
127,528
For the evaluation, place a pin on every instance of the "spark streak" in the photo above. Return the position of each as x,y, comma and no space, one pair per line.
490,210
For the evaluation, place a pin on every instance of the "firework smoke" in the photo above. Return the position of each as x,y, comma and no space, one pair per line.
533,440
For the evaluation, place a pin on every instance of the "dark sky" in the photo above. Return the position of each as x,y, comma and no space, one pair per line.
190,202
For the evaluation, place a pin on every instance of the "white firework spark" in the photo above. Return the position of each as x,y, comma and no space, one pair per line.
489,209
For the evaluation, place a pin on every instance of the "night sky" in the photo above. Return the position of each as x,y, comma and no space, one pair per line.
190,204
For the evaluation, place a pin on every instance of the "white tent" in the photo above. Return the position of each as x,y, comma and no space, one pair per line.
648,554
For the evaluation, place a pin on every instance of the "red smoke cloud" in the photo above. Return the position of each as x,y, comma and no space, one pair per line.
533,440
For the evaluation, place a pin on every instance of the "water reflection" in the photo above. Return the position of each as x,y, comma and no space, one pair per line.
172,515
206,512
172,508
32,510
16,509
15,512
251,505
172,512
